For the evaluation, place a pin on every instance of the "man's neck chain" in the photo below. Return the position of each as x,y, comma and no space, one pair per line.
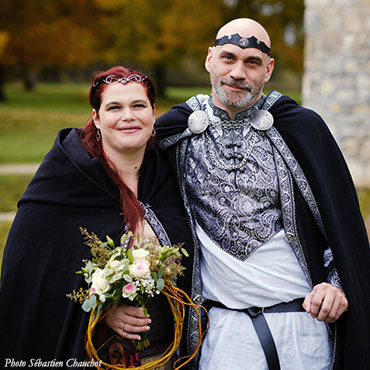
230,167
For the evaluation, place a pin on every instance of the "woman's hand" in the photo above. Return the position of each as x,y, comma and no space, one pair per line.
127,320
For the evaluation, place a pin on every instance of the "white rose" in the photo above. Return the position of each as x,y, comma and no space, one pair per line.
140,268
99,284
114,265
140,254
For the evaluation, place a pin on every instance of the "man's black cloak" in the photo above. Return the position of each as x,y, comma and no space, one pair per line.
313,146
45,247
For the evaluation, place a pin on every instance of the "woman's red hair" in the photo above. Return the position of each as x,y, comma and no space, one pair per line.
132,210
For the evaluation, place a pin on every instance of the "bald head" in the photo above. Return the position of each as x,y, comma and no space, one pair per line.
245,27
239,64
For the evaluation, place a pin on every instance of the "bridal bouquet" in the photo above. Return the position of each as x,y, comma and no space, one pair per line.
131,273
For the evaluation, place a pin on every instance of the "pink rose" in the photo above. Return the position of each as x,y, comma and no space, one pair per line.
129,291
140,268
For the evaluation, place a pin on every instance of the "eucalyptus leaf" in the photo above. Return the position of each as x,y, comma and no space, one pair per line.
86,306
161,272
160,284
89,267
93,300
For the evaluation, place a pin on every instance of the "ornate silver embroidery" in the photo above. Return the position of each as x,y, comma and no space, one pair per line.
288,212
156,226
334,279
172,140
196,289
298,175
238,207
333,276
271,99
233,166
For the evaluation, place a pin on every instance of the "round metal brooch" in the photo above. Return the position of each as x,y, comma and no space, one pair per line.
262,120
198,122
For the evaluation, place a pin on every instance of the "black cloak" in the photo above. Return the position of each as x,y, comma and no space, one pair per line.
45,247
315,149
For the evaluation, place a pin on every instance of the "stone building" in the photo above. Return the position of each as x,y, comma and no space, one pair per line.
336,82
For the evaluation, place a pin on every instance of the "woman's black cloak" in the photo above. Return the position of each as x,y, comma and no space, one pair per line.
45,247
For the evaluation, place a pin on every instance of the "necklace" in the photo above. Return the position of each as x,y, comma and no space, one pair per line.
227,124
230,167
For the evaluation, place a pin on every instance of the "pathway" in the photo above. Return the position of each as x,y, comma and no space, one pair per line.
18,169
15,169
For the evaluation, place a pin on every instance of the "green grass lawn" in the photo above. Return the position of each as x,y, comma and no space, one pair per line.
29,121
11,189
4,230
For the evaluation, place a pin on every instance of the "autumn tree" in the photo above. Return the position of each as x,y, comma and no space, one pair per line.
160,34
150,34
43,33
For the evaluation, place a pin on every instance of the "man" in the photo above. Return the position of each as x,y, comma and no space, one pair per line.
283,251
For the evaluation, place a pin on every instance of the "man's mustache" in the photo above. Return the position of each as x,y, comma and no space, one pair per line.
238,84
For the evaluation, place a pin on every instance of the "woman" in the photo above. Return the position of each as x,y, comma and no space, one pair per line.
108,178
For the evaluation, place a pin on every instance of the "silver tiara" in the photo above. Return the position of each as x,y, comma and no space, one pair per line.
123,80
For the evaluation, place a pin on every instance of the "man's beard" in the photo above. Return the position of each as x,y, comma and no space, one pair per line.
237,99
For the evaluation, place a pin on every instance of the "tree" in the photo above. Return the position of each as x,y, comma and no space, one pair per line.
160,34
4,39
150,34
46,33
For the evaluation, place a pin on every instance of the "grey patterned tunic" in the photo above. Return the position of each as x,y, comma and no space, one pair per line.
232,183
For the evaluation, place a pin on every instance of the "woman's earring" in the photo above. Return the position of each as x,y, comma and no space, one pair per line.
98,134
154,132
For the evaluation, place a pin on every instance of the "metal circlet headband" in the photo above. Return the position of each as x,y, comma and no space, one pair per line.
123,80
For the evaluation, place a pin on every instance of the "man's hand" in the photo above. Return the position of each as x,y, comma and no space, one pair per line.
127,320
326,302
